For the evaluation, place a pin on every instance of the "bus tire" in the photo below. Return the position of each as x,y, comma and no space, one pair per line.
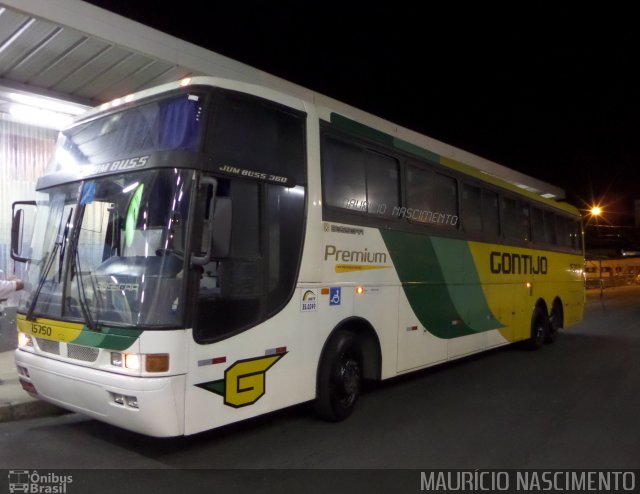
539,329
556,322
339,378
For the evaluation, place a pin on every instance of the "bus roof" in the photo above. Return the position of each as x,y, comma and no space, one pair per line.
373,127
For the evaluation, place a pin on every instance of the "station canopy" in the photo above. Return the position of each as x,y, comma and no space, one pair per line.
73,55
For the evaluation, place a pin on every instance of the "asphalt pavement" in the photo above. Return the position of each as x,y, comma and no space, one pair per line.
15,403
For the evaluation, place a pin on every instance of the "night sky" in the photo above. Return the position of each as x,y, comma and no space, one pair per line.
553,93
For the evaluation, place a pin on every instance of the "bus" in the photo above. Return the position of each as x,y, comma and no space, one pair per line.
208,251
608,272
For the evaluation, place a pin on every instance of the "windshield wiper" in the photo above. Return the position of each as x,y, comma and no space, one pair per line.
77,271
82,294
60,242
63,245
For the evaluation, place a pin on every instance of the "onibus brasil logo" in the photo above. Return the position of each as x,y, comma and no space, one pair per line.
38,483
244,381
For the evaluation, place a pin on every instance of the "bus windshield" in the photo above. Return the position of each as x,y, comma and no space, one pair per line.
112,251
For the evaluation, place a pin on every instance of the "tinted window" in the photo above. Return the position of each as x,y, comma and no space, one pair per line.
568,232
285,221
420,189
359,179
253,134
446,195
344,175
382,184
577,235
432,198
257,277
472,208
163,125
550,228
490,212
562,232
515,215
537,225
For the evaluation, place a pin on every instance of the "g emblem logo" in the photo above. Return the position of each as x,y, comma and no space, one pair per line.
244,381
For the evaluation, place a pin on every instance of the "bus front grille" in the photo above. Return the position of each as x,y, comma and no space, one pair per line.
48,346
79,352
76,352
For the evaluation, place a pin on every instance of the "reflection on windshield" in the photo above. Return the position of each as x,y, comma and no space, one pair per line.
126,251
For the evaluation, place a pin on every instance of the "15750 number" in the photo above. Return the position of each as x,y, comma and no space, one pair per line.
41,329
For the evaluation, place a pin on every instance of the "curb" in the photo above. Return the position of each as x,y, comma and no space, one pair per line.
29,409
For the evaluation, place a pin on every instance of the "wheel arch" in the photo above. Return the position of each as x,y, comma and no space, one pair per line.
541,304
558,305
368,341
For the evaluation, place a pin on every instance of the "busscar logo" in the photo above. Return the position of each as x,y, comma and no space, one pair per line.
244,381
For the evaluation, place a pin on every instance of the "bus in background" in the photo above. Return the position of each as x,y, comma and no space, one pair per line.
608,272
209,251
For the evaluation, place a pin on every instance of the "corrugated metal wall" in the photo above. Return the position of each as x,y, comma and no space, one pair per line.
24,154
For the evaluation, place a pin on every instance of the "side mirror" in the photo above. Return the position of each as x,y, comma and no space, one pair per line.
221,227
17,229
216,230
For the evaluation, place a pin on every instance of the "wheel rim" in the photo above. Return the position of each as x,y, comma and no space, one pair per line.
346,380
556,319
553,324
540,332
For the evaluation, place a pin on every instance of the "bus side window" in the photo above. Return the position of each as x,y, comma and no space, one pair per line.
360,179
472,208
550,228
230,286
561,232
490,213
537,225
420,192
344,175
576,236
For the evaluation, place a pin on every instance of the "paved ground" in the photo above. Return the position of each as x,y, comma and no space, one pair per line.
15,403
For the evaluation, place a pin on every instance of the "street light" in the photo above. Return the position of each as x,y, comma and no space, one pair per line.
595,212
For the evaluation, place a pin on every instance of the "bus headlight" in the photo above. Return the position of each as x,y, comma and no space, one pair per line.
132,361
153,362
24,339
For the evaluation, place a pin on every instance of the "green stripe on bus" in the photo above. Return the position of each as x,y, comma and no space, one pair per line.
441,284
464,286
357,128
108,338
416,150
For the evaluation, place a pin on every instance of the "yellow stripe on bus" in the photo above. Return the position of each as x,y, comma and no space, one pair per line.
348,268
50,329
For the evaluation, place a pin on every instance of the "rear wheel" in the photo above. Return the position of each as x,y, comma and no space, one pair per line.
556,322
339,378
539,329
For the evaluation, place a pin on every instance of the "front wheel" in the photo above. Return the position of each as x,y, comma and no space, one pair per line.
339,378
